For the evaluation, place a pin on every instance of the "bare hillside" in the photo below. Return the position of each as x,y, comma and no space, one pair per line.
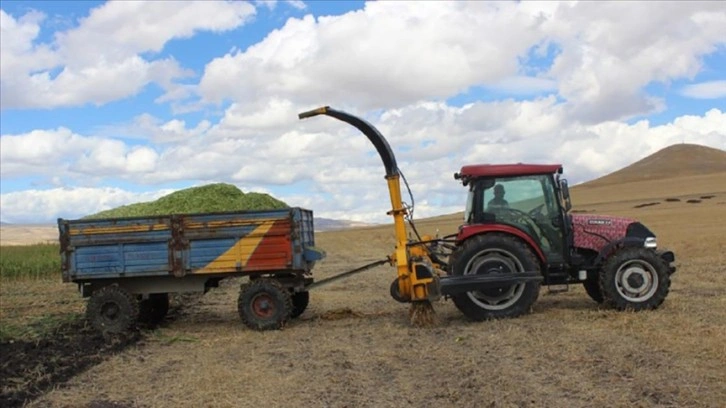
673,161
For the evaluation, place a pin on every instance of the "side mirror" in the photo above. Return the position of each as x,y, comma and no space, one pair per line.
565,194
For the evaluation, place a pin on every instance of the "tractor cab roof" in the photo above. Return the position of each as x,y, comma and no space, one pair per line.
505,170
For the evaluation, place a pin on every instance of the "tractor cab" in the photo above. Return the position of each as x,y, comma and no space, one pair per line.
530,201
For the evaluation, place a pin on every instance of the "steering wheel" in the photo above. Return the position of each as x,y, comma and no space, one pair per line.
536,212
521,218
515,213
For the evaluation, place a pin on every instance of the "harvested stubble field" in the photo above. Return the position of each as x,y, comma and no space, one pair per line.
354,346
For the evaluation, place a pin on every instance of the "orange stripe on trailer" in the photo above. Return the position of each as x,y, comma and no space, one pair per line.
275,250
239,254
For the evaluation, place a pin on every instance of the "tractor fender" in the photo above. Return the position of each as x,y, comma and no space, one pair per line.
626,242
468,231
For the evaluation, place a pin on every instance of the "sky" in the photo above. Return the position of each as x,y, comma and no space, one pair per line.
110,103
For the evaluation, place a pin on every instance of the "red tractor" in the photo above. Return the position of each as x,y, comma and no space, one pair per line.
517,234
518,219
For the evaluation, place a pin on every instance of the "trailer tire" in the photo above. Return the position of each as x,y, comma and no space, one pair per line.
154,309
492,252
635,279
300,301
264,304
112,310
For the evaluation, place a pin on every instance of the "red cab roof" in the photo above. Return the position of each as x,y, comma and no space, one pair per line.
507,170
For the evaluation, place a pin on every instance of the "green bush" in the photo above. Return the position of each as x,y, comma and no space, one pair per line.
38,261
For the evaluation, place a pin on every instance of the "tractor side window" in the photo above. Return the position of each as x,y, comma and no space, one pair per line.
528,203
517,194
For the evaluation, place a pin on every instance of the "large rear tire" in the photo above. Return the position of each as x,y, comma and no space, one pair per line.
635,279
112,310
492,254
264,304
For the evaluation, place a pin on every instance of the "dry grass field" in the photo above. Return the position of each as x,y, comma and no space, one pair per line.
354,346
12,235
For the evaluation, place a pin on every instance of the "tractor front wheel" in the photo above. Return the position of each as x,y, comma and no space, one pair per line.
634,279
264,304
494,254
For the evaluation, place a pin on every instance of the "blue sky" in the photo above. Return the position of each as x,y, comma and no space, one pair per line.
105,104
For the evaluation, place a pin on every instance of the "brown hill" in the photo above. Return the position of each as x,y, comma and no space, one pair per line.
673,161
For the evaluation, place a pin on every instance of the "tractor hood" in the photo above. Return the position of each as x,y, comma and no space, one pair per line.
597,231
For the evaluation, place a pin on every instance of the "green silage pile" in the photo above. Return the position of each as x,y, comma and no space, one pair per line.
205,199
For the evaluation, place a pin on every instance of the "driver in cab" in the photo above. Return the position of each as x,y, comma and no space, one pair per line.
498,202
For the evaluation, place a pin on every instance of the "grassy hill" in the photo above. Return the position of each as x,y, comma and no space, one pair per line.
210,198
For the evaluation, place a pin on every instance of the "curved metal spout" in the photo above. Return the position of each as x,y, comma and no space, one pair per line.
380,142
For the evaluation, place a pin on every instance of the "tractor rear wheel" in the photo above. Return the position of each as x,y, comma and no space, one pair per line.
112,310
300,301
496,254
264,304
634,279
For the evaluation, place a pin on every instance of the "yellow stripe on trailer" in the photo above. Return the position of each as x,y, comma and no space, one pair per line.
226,223
240,253
117,229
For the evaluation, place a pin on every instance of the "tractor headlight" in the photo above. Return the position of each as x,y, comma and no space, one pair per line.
650,242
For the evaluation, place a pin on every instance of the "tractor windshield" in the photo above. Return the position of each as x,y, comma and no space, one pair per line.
528,203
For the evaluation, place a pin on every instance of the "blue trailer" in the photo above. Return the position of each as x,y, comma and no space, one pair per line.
128,266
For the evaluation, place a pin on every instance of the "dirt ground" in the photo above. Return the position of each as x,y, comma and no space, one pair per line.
354,346
31,367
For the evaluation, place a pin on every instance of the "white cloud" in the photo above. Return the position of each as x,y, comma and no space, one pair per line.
41,151
705,90
298,4
62,153
393,54
101,60
390,53
609,52
31,206
146,126
524,85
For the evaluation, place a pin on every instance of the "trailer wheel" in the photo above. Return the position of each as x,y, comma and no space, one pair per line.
634,279
154,309
112,310
300,301
492,254
592,287
264,304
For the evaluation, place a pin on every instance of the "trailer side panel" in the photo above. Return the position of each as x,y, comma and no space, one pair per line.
239,243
